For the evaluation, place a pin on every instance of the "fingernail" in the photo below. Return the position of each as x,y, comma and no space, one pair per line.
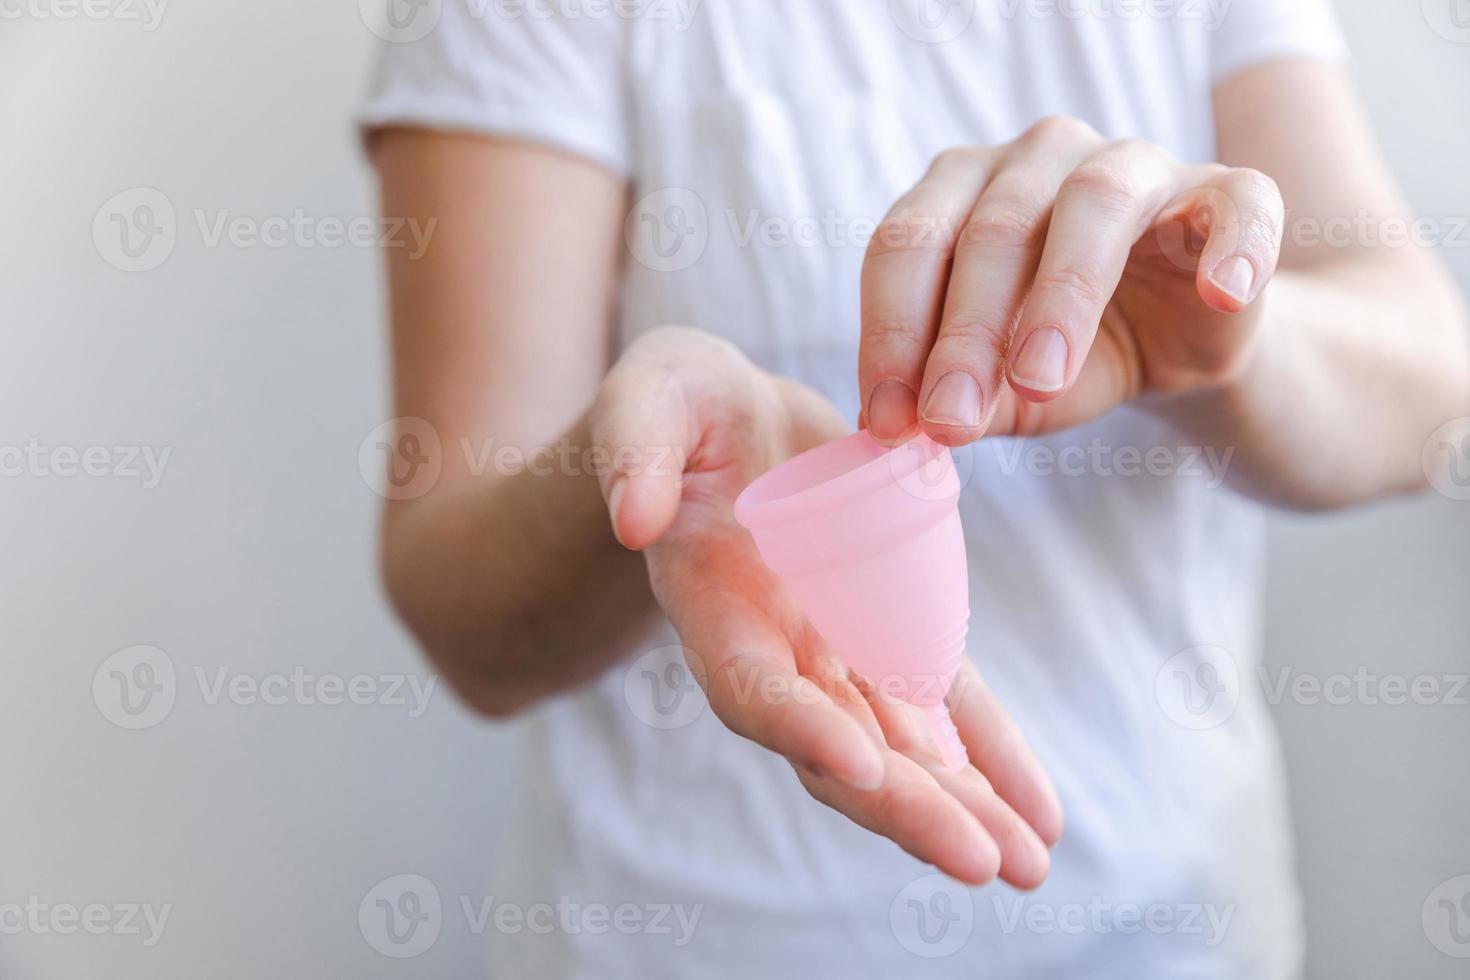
1235,276
615,500
867,776
1041,364
955,400
891,409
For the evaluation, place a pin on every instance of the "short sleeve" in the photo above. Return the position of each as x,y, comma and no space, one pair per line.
1251,31
504,68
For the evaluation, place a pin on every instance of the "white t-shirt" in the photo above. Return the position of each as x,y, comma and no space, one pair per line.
1114,582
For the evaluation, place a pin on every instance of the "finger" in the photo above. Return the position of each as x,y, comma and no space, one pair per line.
1024,861
1243,216
651,412
745,670
999,751
813,419
903,728
903,280
641,423
815,661
1103,208
787,713
914,812
995,260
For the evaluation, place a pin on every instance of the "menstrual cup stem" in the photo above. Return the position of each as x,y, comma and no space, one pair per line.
946,736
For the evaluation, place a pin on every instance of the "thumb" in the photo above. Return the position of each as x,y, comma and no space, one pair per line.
642,426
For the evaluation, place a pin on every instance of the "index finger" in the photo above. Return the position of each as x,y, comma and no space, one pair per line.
904,279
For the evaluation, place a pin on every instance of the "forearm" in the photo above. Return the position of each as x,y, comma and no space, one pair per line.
514,584
1356,364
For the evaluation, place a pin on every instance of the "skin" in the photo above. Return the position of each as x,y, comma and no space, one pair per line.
1031,287
1325,373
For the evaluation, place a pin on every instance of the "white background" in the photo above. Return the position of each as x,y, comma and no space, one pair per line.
263,369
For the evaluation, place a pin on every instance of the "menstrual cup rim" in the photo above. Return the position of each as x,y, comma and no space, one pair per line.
861,480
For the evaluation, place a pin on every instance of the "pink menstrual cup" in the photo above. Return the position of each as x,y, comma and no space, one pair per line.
868,541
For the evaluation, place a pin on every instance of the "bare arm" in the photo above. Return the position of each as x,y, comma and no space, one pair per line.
513,581
516,584
1364,350
1061,284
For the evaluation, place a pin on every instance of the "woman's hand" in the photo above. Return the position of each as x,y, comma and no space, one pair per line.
688,422
1030,287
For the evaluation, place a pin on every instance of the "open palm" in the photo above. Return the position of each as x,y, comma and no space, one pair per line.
767,674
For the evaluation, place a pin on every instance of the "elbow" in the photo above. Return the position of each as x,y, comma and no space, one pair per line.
1458,369
1451,370
471,662
1439,433
470,668
486,697
1445,451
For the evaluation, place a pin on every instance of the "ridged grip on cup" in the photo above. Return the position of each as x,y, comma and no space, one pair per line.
868,541
947,737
